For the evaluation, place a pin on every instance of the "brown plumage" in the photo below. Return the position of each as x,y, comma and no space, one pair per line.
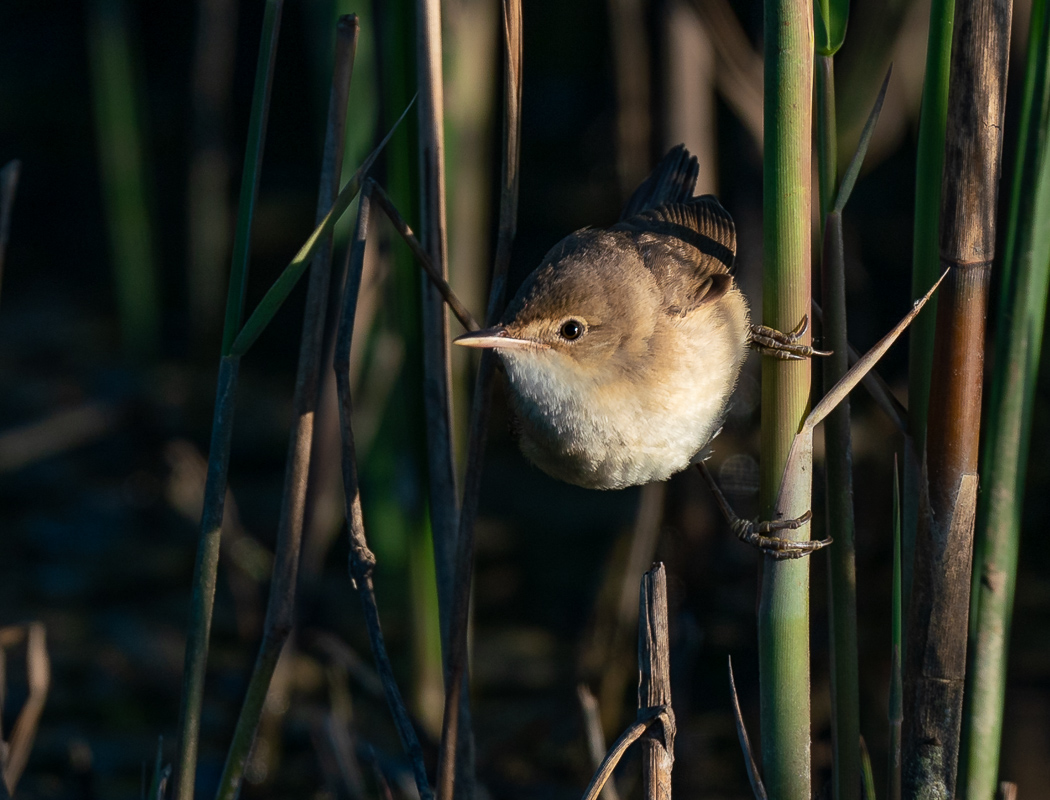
624,345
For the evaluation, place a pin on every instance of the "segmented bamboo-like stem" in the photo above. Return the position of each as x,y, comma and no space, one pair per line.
784,605
935,658
1022,312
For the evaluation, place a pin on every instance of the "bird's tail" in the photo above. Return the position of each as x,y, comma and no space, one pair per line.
672,181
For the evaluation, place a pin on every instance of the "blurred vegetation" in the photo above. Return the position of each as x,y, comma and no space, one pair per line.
107,377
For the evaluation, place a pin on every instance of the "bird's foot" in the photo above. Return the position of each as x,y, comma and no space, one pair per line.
785,346
757,534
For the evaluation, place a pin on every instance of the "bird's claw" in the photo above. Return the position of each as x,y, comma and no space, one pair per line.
785,346
757,535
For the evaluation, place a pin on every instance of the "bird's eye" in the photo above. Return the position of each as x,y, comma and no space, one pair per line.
571,329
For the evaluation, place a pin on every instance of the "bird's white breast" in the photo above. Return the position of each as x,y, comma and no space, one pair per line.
638,428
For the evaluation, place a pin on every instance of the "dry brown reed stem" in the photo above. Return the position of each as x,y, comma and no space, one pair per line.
437,390
8,186
280,608
382,199
654,697
16,749
455,773
654,686
936,645
362,560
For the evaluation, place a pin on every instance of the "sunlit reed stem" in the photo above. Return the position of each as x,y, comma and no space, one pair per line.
784,606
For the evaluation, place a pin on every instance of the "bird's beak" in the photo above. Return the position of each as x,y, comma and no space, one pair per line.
496,337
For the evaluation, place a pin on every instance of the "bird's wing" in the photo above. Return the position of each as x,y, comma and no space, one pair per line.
689,247
672,181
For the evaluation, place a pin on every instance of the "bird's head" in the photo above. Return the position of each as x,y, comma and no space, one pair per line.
588,311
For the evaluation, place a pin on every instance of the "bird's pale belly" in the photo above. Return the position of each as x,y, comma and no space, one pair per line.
629,433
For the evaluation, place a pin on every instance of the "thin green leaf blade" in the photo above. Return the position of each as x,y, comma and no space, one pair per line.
286,281
849,178
867,775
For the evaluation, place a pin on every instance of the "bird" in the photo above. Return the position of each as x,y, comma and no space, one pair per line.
623,347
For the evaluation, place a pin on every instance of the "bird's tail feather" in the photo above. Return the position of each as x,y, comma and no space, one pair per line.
672,181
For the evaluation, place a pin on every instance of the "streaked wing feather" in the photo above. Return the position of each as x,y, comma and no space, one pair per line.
689,247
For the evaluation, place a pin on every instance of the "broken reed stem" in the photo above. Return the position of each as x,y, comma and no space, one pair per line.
452,772
206,567
654,685
654,697
281,605
362,560
784,604
935,657
8,186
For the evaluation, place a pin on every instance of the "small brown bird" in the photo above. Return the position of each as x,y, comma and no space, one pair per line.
623,347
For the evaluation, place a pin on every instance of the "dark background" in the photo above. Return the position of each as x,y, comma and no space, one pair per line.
101,435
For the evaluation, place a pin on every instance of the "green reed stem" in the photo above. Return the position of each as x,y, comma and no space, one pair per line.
207,564
925,257
784,606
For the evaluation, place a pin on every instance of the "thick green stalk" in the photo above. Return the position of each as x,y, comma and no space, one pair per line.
784,606
1022,311
925,256
838,476
206,568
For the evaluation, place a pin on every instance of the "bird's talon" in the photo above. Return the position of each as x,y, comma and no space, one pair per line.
785,346
756,535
